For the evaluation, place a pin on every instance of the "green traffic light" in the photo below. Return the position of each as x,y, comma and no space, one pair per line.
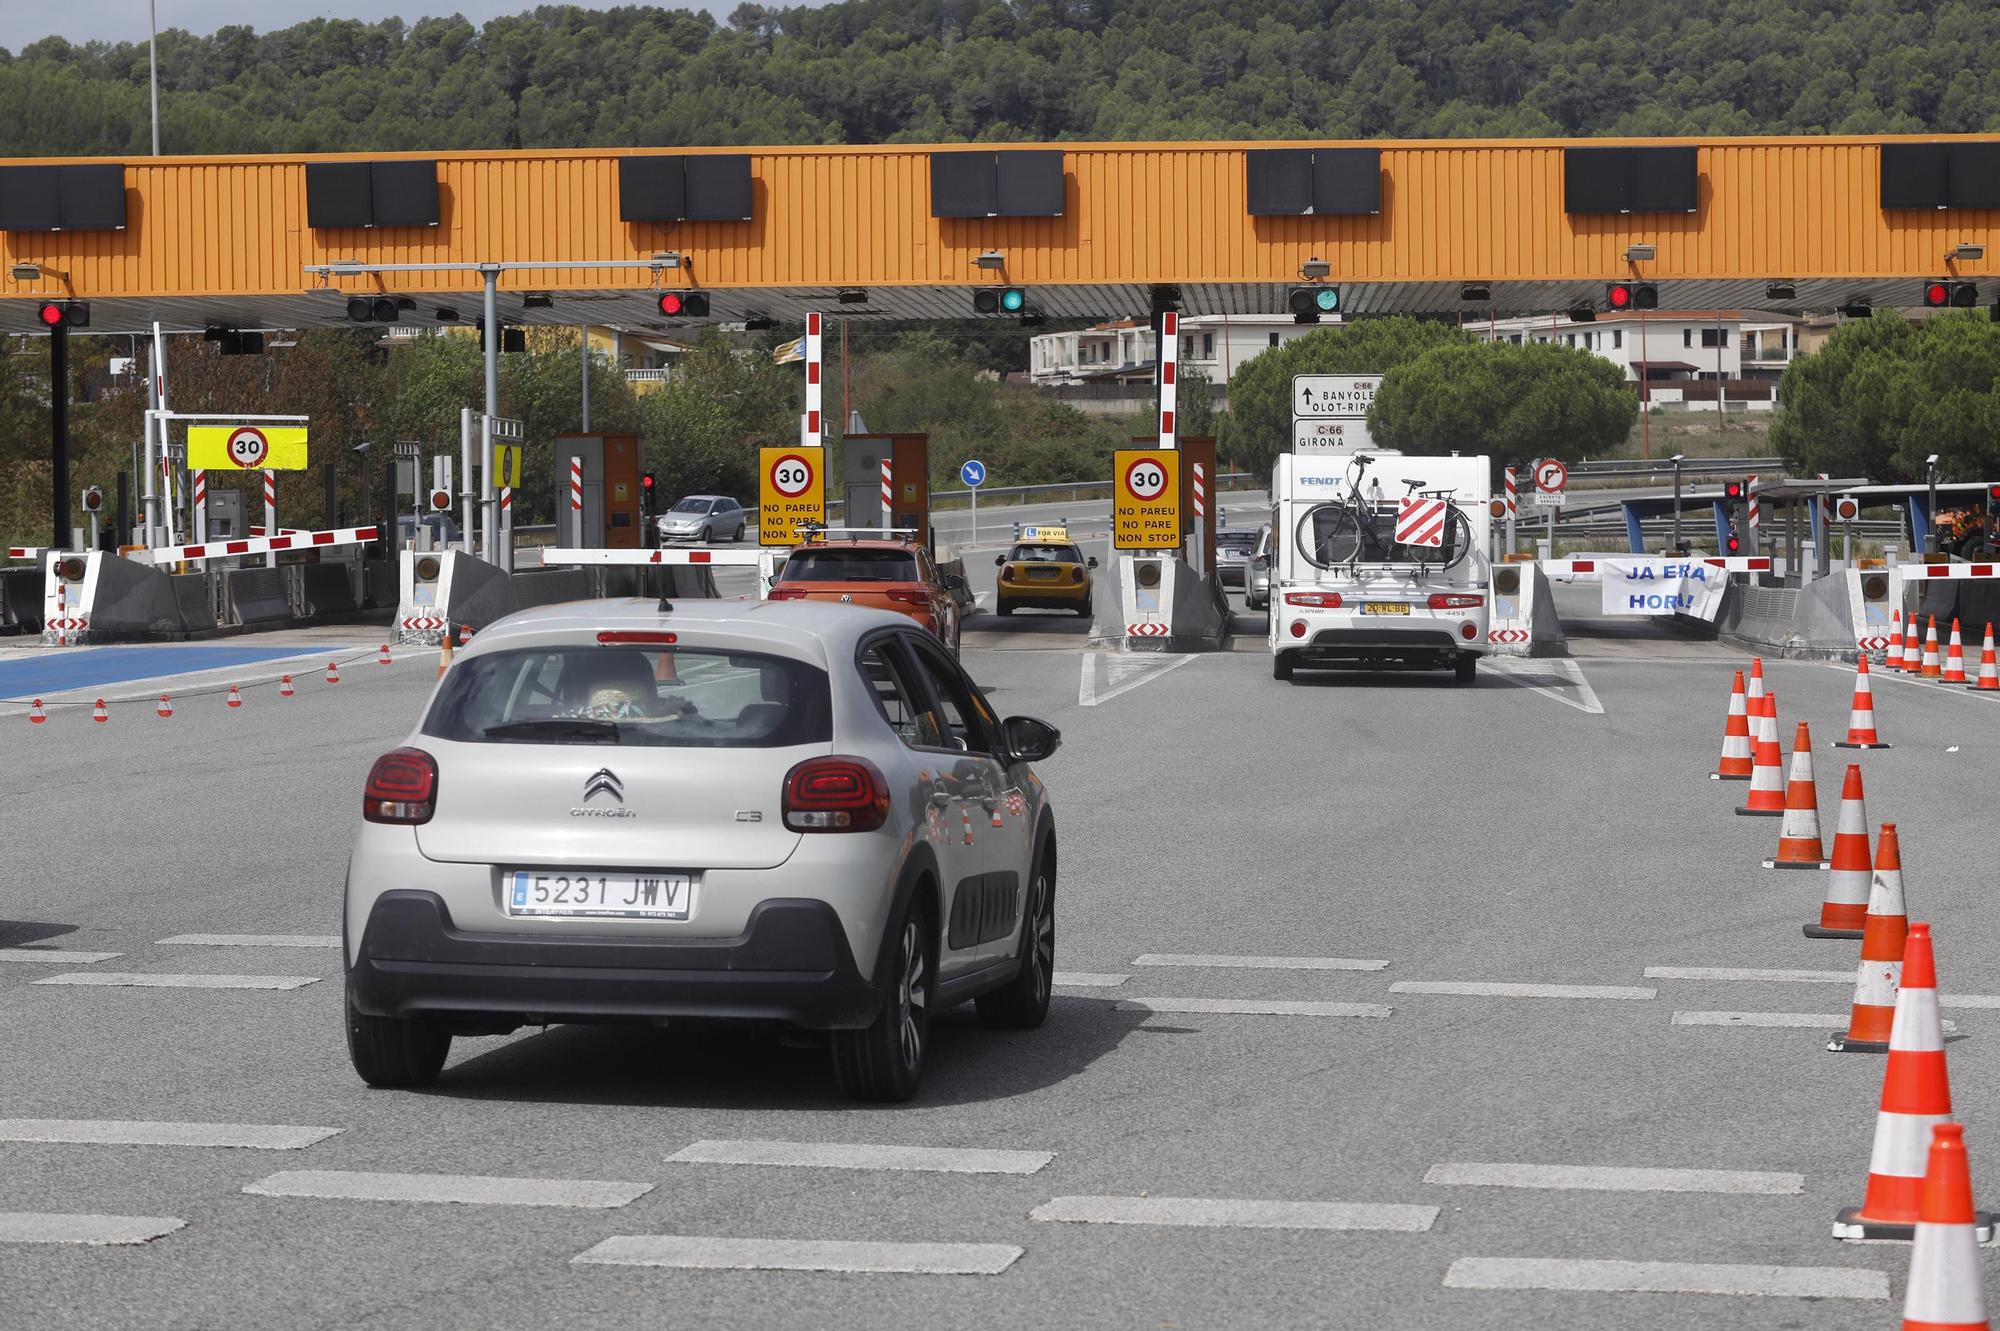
1327,299
1012,299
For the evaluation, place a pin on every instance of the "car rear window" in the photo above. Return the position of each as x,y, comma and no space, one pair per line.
841,565
670,698
1046,554
1236,540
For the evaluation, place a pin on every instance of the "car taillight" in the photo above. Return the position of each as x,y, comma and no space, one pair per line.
835,795
1314,600
909,596
1445,601
1076,575
402,788
640,637
787,594
1468,632
1298,628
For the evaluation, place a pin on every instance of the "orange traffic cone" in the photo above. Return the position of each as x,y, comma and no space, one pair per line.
1916,1095
166,706
1954,658
1844,911
332,673
1882,942
383,659
1928,668
1946,1289
35,713
1893,658
1989,669
98,713
444,655
235,698
285,689
1799,845
1766,798
1736,760
1861,718
1912,657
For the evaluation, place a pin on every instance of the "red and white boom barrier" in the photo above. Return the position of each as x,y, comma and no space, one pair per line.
746,557
259,545
1587,568
1945,572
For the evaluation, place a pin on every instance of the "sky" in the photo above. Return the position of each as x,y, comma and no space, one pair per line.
22,22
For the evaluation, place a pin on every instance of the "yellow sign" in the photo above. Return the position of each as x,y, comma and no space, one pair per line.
507,466
791,489
247,447
1146,499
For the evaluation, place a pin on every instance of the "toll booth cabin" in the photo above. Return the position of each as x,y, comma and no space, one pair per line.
908,456
611,517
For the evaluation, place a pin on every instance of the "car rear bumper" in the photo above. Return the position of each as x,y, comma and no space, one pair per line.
1419,639
791,963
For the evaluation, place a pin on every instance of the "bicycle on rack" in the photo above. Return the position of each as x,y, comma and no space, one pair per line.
1346,532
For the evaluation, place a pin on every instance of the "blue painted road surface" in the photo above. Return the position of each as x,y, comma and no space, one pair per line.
88,667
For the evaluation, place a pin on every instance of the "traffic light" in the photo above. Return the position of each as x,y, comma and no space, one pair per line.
511,339
647,494
1309,303
1622,296
684,304
93,499
1957,295
999,300
440,501
376,309
65,314
1733,500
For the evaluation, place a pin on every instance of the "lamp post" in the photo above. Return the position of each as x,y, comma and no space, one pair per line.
153,65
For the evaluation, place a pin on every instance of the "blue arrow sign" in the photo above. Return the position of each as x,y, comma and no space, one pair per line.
973,473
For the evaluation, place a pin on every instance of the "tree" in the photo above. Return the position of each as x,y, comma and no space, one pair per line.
1195,399
1883,395
1508,402
1259,426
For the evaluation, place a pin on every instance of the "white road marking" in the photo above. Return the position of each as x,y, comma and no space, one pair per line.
1734,973
1608,1178
1123,672
1486,989
55,956
1088,979
1234,1213
1822,1020
692,1252
94,1230
149,980
1969,1000
127,1132
1607,1277
1259,963
251,940
1533,676
468,1189
1254,1007
856,1155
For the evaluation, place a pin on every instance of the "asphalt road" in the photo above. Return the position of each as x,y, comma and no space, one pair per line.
1552,825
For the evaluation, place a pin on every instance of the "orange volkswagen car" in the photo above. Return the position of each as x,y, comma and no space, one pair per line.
887,570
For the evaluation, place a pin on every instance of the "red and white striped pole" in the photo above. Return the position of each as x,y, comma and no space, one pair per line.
814,435
507,527
1513,483
271,513
576,500
1200,491
198,480
888,493
1170,346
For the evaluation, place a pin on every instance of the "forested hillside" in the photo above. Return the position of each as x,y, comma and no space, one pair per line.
868,71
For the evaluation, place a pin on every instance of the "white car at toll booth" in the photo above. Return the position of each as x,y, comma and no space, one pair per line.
1346,592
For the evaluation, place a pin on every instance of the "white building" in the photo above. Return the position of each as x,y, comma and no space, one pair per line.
1664,346
1123,352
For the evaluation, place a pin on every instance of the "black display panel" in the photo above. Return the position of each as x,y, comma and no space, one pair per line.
92,196
1030,183
717,188
1661,180
651,189
338,195
30,199
1913,176
1347,182
964,184
1278,181
1972,175
406,193
1594,180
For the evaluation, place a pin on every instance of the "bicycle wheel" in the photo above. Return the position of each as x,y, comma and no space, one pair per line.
1332,534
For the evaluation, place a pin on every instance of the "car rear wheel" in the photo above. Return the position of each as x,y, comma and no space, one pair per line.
884,1061
1024,1003
1281,666
1467,669
1002,609
393,1052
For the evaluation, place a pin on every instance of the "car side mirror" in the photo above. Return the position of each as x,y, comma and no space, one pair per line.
999,561
954,583
1029,739
1090,562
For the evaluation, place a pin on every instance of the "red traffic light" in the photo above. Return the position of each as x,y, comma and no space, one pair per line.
1619,297
683,304
646,481
1993,493
1936,294
1732,489
1958,295
51,314
1732,545
440,500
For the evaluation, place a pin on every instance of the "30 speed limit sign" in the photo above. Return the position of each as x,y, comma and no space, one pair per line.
1145,504
248,446
790,491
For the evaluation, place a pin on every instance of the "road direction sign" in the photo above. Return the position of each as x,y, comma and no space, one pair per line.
1332,396
1145,508
790,491
1321,435
973,473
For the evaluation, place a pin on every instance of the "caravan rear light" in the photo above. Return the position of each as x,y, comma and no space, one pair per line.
1314,600
1298,628
1442,601
1468,632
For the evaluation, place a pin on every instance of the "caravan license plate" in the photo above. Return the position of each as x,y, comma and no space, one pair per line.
1385,607
625,896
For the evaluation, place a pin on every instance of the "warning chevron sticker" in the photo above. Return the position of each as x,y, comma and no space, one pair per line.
1421,522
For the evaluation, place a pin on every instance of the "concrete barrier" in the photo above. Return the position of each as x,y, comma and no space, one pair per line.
115,600
255,596
21,599
1523,621
191,597
551,586
1168,607
329,589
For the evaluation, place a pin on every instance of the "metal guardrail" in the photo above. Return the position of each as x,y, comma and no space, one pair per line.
1771,467
1074,490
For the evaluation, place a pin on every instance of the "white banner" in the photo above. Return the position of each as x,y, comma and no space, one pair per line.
1661,587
